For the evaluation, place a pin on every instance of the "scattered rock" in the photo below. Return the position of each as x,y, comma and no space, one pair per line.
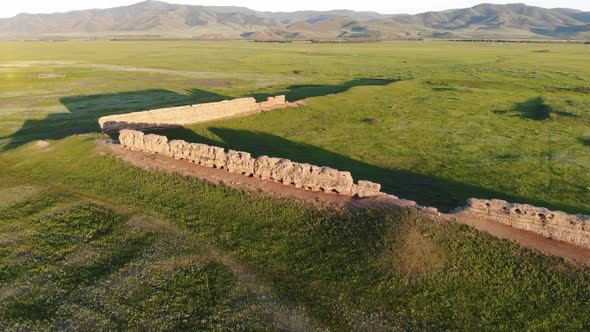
366,189
41,144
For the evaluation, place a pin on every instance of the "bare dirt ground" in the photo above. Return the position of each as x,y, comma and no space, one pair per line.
154,162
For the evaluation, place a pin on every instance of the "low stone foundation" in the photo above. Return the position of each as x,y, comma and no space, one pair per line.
574,229
300,175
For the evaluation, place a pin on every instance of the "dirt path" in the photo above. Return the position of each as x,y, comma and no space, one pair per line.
154,162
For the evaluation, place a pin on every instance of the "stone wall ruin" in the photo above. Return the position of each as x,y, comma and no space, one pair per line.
281,170
191,114
574,229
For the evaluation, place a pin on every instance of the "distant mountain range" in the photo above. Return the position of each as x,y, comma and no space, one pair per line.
155,19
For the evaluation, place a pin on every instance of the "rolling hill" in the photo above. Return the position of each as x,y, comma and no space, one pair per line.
159,19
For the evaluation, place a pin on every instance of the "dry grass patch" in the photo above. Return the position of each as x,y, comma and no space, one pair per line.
411,250
13,195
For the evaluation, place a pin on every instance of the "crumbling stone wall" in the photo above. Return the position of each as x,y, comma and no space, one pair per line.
281,170
183,115
272,102
574,229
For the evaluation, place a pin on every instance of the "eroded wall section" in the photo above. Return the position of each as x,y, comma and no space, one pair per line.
574,229
184,115
300,175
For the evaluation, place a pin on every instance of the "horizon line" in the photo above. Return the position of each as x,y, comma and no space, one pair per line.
287,12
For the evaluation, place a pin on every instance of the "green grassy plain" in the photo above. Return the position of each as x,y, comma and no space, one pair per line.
88,242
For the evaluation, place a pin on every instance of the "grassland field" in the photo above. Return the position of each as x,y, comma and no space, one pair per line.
88,242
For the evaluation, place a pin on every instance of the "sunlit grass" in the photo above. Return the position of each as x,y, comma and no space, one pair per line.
90,243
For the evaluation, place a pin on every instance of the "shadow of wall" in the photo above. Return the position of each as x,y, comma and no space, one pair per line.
443,194
300,92
426,190
84,111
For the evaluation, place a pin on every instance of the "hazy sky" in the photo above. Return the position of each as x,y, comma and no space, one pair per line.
10,8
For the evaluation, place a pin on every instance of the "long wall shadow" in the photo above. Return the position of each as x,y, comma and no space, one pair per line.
426,190
441,193
84,111
300,92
